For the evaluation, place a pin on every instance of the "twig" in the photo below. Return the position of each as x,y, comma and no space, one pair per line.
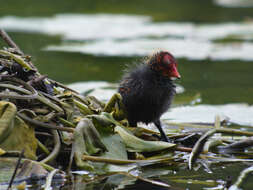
32,93
62,86
45,125
53,98
198,147
56,149
43,147
16,169
36,80
43,133
12,44
16,96
49,103
239,145
183,149
18,59
66,122
9,41
83,108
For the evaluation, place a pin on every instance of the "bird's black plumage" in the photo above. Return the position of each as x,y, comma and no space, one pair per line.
147,93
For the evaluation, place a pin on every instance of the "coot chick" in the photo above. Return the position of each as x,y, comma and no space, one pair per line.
148,89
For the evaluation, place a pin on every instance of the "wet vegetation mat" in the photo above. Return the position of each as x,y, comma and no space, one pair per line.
54,137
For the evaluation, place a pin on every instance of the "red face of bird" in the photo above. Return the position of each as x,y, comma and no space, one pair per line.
165,63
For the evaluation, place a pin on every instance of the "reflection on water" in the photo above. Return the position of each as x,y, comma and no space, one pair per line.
194,50
130,35
235,113
118,26
234,3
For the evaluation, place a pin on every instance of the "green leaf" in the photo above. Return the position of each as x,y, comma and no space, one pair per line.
86,141
116,149
136,144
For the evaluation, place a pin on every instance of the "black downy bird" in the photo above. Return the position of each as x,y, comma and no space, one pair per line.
147,90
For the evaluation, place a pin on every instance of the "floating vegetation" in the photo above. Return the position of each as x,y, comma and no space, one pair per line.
56,132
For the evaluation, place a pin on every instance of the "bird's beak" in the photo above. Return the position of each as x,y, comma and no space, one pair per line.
175,73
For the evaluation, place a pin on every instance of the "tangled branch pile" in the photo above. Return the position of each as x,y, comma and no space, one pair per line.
54,124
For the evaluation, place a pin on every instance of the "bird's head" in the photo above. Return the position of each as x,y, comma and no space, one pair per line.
164,63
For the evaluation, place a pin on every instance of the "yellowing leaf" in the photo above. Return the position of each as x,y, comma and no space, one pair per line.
21,137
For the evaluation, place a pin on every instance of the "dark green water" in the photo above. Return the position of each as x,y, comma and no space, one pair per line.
218,82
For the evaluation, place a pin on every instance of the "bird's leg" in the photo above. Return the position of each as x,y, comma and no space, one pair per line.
159,127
